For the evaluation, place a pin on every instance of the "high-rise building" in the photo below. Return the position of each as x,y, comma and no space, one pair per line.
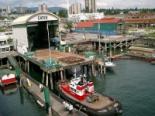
43,8
90,6
75,8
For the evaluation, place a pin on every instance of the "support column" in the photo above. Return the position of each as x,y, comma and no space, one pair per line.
96,45
86,70
121,47
51,81
114,48
43,77
104,70
93,70
65,74
61,75
126,44
101,68
28,67
105,48
25,68
46,79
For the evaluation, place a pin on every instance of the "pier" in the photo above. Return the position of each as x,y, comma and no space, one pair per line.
100,43
57,106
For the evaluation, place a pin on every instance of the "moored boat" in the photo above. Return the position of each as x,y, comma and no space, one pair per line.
109,63
7,77
82,95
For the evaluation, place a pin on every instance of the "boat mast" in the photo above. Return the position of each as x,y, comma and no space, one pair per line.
75,72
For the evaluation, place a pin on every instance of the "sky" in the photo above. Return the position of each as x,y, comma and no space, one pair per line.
100,3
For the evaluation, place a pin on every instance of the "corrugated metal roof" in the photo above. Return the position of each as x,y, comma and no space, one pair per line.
85,24
91,23
139,20
108,20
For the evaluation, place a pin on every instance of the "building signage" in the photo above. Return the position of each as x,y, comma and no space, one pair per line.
42,18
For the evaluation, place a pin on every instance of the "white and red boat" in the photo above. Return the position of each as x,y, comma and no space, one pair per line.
82,95
7,79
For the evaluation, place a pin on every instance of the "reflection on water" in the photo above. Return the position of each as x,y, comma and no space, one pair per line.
10,89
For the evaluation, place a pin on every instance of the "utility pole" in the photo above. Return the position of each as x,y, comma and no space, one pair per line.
49,45
99,35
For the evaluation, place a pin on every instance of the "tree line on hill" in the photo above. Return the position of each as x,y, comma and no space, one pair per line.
113,11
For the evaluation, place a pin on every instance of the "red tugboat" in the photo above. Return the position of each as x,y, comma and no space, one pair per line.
7,79
82,95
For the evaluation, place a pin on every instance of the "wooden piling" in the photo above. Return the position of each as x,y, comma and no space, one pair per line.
93,70
101,68
104,70
61,75
46,79
51,81
28,66
43,77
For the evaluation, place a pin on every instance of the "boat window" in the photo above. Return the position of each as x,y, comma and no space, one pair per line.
74,90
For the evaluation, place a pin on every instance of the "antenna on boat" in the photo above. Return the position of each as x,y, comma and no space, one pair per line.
75,72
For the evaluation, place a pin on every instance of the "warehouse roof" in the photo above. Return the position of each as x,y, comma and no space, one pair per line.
36,17
91,23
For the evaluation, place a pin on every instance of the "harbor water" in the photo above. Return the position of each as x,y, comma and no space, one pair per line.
16,104
131,82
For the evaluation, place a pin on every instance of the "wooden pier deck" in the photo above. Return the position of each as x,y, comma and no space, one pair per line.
58,108
76,38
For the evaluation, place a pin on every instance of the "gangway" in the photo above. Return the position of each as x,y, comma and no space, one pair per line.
14,63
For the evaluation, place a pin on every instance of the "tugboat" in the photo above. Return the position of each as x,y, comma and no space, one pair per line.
82,95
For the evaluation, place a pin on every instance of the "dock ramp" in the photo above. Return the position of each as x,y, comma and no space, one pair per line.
14,63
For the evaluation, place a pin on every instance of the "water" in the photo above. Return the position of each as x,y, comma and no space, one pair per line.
132,83
10,105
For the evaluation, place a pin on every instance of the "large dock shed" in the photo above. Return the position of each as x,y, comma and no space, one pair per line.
33,31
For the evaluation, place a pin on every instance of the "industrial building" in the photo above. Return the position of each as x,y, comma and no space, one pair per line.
34,31
139,20
105,26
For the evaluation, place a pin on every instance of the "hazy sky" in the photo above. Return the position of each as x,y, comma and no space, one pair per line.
100,3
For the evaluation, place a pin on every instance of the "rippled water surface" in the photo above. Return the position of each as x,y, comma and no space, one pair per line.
132,82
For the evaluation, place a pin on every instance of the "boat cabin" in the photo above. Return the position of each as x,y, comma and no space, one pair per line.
80,86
